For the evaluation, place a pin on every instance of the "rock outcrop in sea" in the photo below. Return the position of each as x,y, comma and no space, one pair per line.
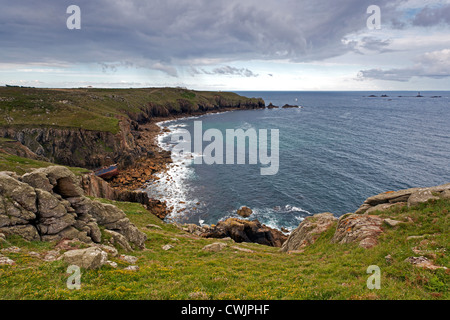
48,204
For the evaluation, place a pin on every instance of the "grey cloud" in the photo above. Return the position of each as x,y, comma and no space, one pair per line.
162,33
374,44
225,70
430,16
434,64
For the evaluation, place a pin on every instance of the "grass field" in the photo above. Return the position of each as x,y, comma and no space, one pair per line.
95,109
323,271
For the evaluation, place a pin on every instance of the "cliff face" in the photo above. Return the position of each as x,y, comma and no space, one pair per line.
94,148
77,147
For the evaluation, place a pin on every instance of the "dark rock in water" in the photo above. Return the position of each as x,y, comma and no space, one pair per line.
286,106
245,212
372,96
247,231
271,106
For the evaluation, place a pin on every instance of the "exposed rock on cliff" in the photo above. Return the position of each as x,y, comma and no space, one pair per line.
308,231
363,229
48,204
412,197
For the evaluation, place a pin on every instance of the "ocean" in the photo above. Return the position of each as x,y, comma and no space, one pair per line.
334,152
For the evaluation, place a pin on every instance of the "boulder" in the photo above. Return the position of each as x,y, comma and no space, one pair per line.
64,182
120,240
48,205
27,232
384,207
90,258
50,226
167,247
11,213
23,194
445,194
6,261
391,197
247,231
362,229
392,223
245,212
308,231
38,180
128,259
423,262
421,196
214,247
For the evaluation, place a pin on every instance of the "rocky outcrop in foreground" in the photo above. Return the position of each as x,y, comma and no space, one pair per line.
48,204
308,231
362,227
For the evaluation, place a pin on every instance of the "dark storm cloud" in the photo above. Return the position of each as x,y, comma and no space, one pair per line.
157,34
430,16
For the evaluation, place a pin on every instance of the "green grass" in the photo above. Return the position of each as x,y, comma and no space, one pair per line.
22,165
323,271
96,109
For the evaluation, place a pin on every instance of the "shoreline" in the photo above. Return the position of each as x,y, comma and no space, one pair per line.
150,169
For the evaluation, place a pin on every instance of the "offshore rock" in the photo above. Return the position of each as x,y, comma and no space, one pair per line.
247,231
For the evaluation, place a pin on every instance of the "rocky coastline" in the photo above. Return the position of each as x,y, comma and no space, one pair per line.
140,159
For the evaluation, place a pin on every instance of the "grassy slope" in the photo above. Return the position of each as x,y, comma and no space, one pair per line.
22,165
323,271
91,109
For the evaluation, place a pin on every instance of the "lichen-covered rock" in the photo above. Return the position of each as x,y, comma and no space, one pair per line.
245,212
308,231
64,182
384,207
412,196
361,229
20,192
214,247
48,204
445,194
28,232
116,238
90,258
421,196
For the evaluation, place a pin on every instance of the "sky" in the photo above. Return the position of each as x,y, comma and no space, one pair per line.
260,45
